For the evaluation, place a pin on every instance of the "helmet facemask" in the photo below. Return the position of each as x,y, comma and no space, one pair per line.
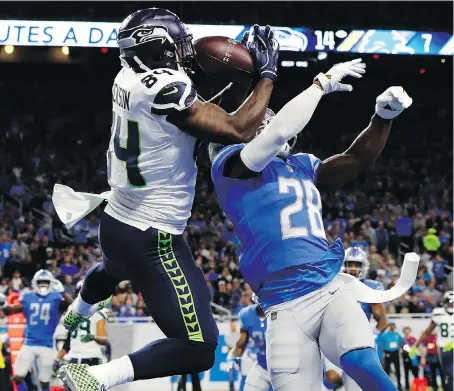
354,268
43,287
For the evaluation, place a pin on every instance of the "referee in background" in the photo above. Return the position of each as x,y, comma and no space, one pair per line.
391,342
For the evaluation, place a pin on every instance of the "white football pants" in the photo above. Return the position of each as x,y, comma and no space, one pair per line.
329,319
257,379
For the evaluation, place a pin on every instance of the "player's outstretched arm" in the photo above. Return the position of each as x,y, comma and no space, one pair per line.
428,331
13,309
340,169
378,310
291,120
209,122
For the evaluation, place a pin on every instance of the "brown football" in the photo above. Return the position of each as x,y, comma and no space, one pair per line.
224,59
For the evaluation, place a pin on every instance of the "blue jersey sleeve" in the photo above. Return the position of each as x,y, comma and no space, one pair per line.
310,163
221,159
377,285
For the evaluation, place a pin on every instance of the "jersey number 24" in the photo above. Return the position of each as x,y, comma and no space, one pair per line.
307,202
39,311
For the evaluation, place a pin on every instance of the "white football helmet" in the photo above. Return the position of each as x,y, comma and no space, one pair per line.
41,282
448,301
356,262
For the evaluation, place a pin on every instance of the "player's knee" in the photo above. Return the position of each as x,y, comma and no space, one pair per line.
333,378
205,353
361,360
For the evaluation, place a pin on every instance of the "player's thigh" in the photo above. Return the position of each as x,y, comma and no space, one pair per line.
162,267
349,383
257,379
293,359
24,360
187,311
344,326
45,359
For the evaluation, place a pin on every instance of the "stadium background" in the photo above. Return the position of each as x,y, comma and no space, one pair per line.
56,114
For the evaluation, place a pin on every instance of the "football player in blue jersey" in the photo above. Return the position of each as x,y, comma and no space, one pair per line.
42,307
357,265
271,197
253,326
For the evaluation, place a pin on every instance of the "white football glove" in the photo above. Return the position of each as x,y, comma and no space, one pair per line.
392,102
331,80
57,286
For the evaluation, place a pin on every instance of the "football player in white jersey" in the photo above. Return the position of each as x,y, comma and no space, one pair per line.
157,119
443,322
84,345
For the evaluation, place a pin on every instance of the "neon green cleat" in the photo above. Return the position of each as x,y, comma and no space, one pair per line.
77,378
72,319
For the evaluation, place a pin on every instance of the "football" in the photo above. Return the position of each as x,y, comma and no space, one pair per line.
224,58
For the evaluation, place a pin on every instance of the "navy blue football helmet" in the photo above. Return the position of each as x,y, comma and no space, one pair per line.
155,38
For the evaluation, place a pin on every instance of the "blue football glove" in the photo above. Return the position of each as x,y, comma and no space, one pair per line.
264,49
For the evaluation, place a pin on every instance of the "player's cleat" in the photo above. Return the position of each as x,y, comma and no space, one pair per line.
77,378
72,319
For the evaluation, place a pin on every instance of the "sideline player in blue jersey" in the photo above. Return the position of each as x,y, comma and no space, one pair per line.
42,308
270,196
253,326
357,265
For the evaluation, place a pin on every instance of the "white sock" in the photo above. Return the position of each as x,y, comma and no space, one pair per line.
83,308
114,373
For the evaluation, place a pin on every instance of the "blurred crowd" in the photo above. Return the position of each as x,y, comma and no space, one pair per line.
57,132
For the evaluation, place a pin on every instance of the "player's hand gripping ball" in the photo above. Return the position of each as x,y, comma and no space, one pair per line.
392,102
264,48
331,80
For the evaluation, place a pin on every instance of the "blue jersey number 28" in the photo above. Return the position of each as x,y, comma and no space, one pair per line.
307,202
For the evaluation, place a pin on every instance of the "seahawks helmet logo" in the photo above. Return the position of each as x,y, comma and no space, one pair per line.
144,34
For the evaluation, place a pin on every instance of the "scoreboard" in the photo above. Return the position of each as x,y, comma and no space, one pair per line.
303,39
297,39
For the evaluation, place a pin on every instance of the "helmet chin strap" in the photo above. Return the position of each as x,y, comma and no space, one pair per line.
285,151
